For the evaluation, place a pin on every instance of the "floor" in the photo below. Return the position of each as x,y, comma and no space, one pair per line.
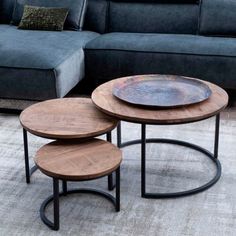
170,168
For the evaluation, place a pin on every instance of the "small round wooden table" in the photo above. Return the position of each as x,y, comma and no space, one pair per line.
64,119
105,101
77,161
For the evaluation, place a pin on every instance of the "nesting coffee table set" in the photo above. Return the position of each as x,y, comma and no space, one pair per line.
77,155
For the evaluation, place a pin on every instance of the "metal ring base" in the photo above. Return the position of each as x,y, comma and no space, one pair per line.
48,200
185,144
33,169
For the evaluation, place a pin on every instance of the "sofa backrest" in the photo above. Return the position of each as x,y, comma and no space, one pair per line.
96,16
6,10
149,16
143,16
218,17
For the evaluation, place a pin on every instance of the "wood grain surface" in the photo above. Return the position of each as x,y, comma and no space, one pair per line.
73,160
109,104
66,118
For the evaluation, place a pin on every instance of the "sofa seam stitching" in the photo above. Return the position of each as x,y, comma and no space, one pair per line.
193,54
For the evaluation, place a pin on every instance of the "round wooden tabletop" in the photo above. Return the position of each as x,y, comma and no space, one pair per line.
104,99
75,161
66,118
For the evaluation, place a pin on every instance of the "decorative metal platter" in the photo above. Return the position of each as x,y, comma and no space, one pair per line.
161,91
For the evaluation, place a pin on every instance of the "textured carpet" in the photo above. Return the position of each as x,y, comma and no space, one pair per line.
169,167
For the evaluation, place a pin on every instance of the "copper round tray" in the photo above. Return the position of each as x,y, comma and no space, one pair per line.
161,91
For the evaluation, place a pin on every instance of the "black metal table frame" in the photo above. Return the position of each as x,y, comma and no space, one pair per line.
56,195
30,170
143,141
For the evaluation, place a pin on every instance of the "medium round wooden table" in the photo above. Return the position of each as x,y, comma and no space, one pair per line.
66,118
71,160
105,101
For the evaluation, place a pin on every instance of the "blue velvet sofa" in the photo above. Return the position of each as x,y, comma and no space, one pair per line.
120,37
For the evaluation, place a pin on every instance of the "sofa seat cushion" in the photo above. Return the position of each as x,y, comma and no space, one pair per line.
38,65
171,43
121,54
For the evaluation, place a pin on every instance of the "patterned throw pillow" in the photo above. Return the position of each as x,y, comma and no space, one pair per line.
74,20
43,18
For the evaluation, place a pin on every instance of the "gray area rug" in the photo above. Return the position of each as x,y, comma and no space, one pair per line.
170,168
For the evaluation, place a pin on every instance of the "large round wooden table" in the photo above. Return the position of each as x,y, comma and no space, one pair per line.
64,119
105,101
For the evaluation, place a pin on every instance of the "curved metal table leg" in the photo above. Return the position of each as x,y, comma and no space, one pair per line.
55,225
143,141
